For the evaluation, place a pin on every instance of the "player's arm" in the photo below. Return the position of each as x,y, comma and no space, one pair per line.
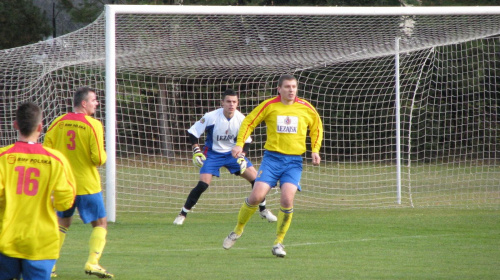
2,200
247,126
241,157
316,135
198,156
64,184
194,133
97,151
49,140
316,132
246,149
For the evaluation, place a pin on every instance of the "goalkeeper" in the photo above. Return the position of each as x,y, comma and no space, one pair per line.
287,118
222,127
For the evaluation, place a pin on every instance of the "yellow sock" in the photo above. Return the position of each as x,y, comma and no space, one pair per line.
62,236
246,212
284,220
97,242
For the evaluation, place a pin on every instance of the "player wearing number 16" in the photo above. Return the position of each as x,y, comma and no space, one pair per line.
33,181
80,138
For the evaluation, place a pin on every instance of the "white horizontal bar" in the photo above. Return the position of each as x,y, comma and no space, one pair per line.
305,10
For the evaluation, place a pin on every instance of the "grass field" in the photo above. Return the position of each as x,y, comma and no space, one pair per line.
439,243
164,188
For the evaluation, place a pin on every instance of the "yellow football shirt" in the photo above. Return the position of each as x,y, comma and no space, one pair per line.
33,181
286,125
81,139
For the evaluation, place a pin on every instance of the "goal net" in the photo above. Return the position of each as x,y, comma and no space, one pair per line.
408,97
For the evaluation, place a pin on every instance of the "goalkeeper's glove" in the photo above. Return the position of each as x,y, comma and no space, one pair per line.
242,162
198,157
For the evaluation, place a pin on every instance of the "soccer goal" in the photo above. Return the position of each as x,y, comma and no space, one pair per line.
408,97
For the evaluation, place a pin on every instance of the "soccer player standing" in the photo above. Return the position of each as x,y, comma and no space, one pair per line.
287,118
222,126
33,180
80,138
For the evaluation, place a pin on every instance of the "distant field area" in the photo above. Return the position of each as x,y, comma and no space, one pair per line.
163,187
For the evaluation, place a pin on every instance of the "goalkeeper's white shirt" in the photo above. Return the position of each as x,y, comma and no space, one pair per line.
221,132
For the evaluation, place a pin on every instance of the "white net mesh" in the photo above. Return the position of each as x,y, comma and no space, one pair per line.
171,69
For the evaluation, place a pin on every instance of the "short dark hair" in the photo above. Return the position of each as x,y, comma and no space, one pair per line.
81,95
28,116
285,77
229,92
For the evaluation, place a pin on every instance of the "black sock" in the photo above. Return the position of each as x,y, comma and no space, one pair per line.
262,207
194,195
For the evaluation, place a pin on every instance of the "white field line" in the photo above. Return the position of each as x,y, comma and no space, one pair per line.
219,248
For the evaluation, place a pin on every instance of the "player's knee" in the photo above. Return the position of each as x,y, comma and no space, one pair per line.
200,188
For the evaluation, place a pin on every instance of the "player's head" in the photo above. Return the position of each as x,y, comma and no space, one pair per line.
85,101
229,92
229,102
286,77
28,119
287,88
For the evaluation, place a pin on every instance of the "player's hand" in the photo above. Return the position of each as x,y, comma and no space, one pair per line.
316,159
198,157
236,151
242,162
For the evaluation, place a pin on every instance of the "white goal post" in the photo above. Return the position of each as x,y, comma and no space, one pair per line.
112,11
408,97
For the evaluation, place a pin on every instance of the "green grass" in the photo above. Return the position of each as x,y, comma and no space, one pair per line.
348,244
163,188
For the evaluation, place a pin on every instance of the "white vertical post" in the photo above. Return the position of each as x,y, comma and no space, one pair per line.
398,123
110,115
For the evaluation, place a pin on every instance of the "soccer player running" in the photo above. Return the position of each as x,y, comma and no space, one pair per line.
80,138
287,118
222,126
33,180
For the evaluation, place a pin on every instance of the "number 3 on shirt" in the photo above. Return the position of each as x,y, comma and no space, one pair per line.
72,135
25,180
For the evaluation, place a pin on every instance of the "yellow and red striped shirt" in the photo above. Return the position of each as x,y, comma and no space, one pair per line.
81,139
287,126
33,181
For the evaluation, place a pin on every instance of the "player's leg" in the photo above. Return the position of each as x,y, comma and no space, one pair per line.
258,194
269,172
10,268
246,211
92,211
64,219
250,174
211,167
290,180
193,197
285,216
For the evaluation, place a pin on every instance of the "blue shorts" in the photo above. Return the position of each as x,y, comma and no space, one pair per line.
215,161
280,167
90,207
11,268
